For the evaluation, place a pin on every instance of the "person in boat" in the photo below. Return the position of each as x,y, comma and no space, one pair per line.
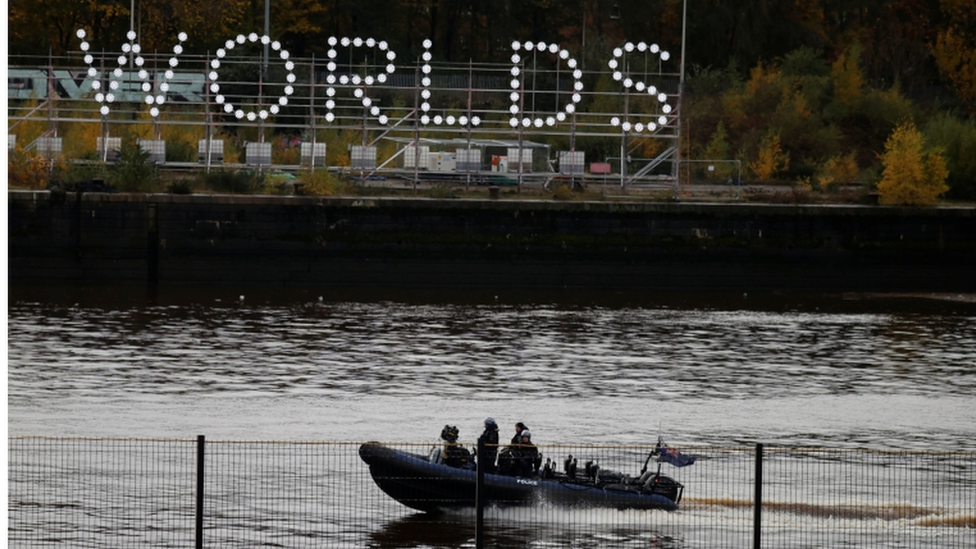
527,459
489,439
521,458
508,457
454,454
519,427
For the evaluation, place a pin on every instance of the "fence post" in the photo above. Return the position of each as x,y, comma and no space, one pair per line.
479,498
199,520
757,510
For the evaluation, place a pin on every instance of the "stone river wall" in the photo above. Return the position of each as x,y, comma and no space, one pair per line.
271,240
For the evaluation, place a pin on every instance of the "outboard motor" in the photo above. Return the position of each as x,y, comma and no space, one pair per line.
664,486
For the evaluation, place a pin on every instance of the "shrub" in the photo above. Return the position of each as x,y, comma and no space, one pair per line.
322,182
133,172
838,169
181,140
234,181
441,190
181,150
180,187
80,172
562,191
28,170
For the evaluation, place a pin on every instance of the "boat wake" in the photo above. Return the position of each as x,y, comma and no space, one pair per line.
922,516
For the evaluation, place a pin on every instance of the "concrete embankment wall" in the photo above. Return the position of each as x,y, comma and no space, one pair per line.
204,239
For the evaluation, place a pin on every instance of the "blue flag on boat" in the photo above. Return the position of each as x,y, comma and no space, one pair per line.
673,456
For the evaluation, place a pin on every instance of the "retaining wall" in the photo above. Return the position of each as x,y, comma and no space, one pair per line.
203,239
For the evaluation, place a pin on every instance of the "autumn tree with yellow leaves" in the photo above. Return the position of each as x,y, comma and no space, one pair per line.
912,176
955,50
771,159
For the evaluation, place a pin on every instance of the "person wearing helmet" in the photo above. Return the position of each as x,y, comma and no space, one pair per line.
454,455
489,438
528,458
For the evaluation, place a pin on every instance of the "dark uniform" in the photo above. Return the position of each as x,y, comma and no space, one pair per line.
527,457
489,438
454,454
519,427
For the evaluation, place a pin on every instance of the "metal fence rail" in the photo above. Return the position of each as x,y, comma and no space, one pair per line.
85,492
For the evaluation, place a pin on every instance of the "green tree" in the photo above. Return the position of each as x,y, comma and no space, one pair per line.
956,138
911,177
748,31
35,26
208,23
718,149
133,172
847,77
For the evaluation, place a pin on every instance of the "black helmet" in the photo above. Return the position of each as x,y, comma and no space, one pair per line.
490,422
449,433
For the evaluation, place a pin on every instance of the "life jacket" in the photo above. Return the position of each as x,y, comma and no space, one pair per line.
456,455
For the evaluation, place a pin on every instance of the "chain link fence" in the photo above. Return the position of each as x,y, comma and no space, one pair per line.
87,492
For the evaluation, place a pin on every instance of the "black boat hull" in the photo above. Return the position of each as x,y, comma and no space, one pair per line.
431,487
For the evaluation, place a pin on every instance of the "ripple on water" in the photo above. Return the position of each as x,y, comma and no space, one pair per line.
571,357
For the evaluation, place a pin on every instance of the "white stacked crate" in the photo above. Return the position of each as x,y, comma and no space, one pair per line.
258,154
50,147
362,157
468,160
513,163
156,149
411,159
313,154
572,162
216,151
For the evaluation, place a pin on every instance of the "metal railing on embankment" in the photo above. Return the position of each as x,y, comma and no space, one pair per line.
101,492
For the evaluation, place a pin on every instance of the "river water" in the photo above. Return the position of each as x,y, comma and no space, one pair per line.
839,371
